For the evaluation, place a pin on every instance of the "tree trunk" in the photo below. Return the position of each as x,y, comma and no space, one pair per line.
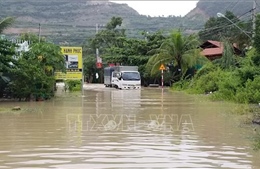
179,68
90,79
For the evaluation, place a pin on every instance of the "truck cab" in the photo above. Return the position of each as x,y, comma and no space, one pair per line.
126,80
122,77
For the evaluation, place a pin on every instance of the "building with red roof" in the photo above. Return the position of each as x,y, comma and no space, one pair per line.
214,49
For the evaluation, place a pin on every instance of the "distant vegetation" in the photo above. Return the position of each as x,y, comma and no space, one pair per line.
73,22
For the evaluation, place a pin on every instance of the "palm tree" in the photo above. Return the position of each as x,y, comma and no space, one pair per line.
181,51
5,23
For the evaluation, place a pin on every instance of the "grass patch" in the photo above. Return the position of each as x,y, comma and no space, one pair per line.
256,143
10,111
5,110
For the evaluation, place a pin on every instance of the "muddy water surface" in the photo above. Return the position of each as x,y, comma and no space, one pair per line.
115,129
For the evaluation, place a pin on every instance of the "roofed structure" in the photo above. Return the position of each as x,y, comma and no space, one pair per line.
214,49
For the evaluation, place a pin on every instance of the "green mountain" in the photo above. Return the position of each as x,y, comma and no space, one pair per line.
73,22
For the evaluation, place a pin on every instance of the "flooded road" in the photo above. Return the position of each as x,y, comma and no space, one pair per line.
115,129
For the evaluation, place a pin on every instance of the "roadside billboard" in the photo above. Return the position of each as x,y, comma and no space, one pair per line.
73,61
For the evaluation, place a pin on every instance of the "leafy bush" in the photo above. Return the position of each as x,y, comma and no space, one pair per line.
247,71
73,85
208,82
182,85
250,93
207,68
204,81
227,86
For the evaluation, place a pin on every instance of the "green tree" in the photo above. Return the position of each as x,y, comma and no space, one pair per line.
5,23
29,80
31,37
229,59
256,57
116,47
109,37
50,56
34,75
113,41
7,63
180,50
6,52
115,21
154,40
89,67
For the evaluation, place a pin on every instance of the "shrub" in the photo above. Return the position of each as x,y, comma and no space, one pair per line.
208,82
250,93
182,84
73,85
227,86
207,68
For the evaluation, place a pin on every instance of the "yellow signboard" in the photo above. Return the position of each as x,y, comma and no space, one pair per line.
73,60
68,75
162,67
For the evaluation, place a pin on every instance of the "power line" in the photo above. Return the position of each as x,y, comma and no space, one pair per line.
86,27
222,26
234,5
209,31
243,16
245,13
257,4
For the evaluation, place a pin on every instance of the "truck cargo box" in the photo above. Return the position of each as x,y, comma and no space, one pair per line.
107,75
126,68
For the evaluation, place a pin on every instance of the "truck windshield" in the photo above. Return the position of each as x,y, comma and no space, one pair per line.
131,76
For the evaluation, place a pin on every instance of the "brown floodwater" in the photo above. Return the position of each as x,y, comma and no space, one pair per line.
115,129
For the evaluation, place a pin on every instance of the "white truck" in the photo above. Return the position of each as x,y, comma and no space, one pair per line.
122,77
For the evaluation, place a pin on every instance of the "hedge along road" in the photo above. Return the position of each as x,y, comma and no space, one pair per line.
109,128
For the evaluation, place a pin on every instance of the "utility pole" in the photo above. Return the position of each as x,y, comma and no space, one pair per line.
39,32
254,17
98,59
97,52
162,77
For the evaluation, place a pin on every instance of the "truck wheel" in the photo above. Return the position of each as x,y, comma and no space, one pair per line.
116,86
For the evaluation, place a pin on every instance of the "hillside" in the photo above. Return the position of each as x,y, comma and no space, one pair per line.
73,22
206,8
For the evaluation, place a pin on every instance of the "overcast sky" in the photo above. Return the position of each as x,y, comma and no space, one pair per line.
159,8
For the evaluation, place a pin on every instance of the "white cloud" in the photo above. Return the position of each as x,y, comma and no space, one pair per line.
159,8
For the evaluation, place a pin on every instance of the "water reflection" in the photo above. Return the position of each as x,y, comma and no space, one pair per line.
108,128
